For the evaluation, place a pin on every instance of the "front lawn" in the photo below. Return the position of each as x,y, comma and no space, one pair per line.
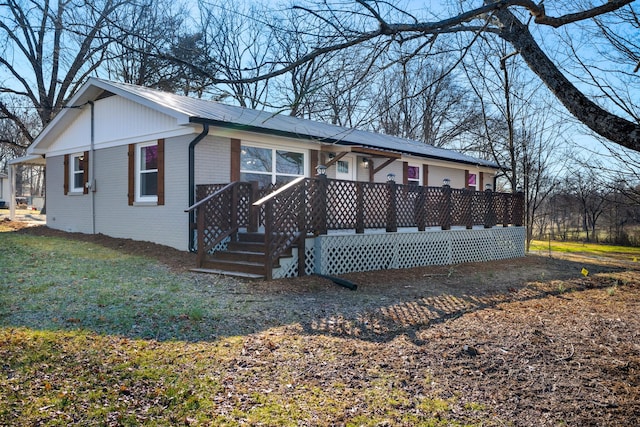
93,336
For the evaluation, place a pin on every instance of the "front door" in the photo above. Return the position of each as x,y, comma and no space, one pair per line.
345,168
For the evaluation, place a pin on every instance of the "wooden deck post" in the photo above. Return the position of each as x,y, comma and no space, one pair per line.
518,208
254,211
268,239
321,204
233,217
421,208
489,214
359,207
445,206
505,207
392,215
467,197
302,229
200,230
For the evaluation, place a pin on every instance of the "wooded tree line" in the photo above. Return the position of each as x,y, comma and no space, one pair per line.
583,209
509,81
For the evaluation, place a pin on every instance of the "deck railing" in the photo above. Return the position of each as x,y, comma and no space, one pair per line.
313,206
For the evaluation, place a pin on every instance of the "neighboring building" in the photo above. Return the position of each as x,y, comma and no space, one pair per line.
4,190
125,160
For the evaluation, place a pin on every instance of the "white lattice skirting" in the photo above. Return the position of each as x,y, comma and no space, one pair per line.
339,254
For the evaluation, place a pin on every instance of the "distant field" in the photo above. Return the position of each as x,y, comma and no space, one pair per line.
586,248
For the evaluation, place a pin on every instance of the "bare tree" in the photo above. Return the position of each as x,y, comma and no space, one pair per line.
519,130
153,32
421,100
383,25
47,49
236,40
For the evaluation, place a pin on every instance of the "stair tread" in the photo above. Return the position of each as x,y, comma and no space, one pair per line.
234,262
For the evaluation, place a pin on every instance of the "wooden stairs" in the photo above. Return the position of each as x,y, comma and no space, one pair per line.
244,257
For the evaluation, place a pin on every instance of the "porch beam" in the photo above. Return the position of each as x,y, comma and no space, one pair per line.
358,149
376,153
382,166
338,156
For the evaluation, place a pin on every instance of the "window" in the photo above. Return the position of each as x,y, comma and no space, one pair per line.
413,175
76,173
146,172
471,181
342,166
270,166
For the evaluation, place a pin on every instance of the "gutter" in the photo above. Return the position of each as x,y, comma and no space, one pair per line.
192,181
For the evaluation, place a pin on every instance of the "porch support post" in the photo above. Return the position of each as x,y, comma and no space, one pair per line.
359,207
489,214
445,208
392,218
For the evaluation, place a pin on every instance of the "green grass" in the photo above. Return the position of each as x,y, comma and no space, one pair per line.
586,248
50,283
90,336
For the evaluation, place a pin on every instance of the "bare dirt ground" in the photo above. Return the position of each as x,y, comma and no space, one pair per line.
533,339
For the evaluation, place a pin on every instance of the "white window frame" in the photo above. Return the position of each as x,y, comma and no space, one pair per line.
73,172
139,172
273,173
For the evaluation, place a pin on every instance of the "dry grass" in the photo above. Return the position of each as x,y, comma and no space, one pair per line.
92,336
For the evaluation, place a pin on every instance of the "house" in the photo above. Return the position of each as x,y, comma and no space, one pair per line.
125,161
4,190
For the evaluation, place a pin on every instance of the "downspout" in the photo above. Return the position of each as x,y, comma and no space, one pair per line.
92,172
192,180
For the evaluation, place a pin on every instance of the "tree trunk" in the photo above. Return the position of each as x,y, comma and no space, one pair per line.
610,126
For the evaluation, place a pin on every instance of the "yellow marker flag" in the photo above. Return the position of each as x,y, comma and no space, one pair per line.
585,272
635,259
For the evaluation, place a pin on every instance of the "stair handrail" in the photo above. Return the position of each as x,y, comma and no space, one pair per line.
280,190
200,225
273,249
211,196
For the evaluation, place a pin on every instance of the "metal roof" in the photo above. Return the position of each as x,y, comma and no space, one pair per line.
205,111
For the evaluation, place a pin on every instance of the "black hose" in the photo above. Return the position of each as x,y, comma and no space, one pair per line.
338,281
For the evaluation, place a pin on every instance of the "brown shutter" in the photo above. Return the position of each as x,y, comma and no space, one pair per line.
425,175
132,173
466,179
481,187
66,175
85,172
160,172
405,173
235,160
